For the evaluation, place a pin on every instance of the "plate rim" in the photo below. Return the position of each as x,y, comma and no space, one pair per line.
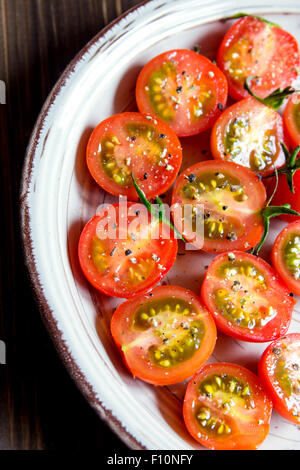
44,308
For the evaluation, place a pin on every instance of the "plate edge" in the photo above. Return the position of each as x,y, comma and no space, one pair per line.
24,220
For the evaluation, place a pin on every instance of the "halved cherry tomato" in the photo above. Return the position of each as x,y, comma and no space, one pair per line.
183,88
279,370
249,133
123,253
255,48
284,195
232,198
286,256
291,119
132,143
226,408
164,336
246,297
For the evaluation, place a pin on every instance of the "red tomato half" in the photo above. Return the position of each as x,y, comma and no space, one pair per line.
183,88
132,143
279,370
286,256
123,253
246,297
228,197
226,408
291,119
164,336
252,47
284,195
249,133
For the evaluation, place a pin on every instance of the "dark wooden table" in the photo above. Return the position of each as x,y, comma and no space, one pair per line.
40,406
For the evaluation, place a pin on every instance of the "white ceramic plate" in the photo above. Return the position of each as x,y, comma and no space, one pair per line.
59,196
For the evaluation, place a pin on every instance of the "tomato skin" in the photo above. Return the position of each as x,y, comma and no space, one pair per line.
266,369
165,245
277,257
188,65
246,435
257,54
260,117
153,179
138,362
284,195
289,119
276,295
251,223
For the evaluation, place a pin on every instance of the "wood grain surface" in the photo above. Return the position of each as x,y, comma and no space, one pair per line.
40,406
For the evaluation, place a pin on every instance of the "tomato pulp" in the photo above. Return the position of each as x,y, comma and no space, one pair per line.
122,252
255,48
279,369
246,297
164,336
291,119
130,143
183,88
286,256
226,408
249,134
228,197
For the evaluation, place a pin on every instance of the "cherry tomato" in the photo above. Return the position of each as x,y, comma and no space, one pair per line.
279,370
132,143
284,195
246,297
226,408
286,256
291,119
230,195
249,133
183,88
164,336
123,253
255,48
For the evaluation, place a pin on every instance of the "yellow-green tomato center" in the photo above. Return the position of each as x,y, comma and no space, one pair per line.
235,59
168,91
177,327
118,172
143,142
224,394
244,140
240,298
247,55
296,113
287,373
218,191
123,261
291,254
99,256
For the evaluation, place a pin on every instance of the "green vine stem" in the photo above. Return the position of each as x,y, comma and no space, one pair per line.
272,211
160,213
267,213
275,99
243,15
290,167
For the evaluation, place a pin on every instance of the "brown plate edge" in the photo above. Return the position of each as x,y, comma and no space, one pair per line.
44,308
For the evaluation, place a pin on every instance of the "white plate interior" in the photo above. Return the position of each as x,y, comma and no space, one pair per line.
61,197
